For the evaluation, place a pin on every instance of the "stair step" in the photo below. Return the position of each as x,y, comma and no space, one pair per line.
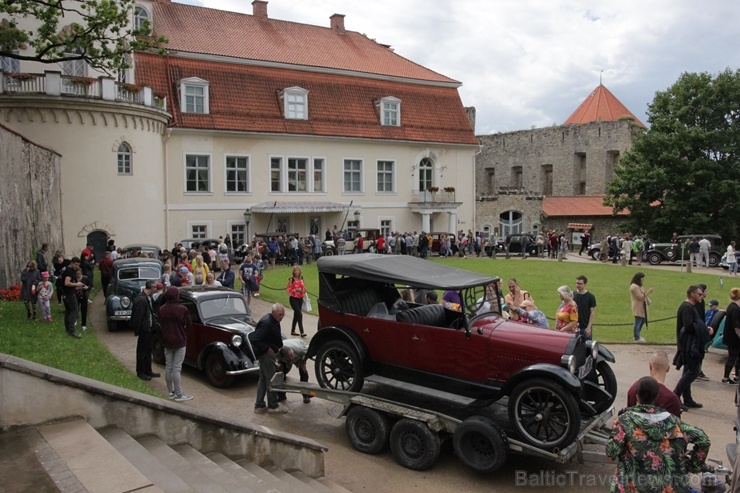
314,484
295,485
97,465
180,466
255,483
332,485
23,463
145,461
265,476
211,469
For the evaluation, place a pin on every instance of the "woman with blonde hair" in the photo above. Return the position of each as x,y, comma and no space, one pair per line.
566,315
200,270
731,337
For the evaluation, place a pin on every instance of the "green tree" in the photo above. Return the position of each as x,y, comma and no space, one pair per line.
682,174
97,31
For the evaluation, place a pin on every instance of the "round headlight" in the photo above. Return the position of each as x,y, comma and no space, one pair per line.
236,340
125,302
568,361
594,347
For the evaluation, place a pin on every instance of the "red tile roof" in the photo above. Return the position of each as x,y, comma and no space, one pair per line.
245,98
231,34
601,106
579,205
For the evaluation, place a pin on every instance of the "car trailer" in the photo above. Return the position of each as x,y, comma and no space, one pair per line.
415,433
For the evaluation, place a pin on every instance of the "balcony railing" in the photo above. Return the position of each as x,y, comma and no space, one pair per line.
438,196
103,88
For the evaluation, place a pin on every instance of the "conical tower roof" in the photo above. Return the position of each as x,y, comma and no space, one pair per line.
601,106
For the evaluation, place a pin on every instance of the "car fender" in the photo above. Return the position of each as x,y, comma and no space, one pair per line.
233,361
543,370
338,333
605,355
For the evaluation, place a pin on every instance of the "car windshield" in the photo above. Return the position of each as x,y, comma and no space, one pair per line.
226,306
140,272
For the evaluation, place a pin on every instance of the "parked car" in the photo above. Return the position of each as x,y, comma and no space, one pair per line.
436,244
519,244
217,338
723,261
195,243
142,250
672,252
549,377
127,280
349,245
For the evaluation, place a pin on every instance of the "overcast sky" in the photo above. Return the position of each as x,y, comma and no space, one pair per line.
530,63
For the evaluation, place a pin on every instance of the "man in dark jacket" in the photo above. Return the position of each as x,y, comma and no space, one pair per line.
142,321
227,276
266,341
693,335
174,320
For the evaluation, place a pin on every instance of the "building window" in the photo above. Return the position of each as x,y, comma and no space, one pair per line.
425,174
546,178
385,176
579,173
390,111
194,94
352,175
386,226
237,234
124,159
516,177
198,231
318,175
510,222
237,174
295,103
10,65
282,225
197,173
297,174
353,224
74,68
276,172
141,15
491,174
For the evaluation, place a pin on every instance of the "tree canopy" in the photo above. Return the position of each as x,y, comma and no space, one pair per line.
682,174
97,31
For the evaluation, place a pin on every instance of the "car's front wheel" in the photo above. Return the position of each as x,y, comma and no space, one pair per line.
596,255
112,325
544,414
714,259
654,258
215,370
338,367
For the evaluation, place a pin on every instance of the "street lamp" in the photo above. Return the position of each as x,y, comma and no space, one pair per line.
247,219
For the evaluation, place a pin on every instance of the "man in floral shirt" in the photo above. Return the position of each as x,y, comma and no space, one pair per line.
651,446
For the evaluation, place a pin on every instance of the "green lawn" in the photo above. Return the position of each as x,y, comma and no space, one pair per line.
610,284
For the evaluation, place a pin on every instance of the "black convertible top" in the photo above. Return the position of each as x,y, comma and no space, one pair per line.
401,270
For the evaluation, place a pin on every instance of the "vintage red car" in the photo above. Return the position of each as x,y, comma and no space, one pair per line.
551,379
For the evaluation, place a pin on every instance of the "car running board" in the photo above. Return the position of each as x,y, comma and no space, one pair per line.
439,394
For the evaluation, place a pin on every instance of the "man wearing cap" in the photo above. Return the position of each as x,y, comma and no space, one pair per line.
713,309
142,321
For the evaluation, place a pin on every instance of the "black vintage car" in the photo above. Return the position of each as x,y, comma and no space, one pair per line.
127,280
217,338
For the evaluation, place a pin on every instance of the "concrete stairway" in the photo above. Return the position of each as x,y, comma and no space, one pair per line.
72,456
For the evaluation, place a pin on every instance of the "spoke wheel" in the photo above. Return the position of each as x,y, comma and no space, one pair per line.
414,445
338,367
545,414
215,370
368,430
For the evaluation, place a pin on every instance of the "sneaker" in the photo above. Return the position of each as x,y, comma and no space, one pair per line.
84,328
277,410
171,395
702,376
729,381
183,397
260,410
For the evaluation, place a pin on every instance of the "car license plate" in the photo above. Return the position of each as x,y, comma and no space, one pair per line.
122,313
586,368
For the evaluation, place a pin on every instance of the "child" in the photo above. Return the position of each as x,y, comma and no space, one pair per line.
45,292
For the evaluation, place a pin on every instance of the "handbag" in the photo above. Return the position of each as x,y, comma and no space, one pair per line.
306,304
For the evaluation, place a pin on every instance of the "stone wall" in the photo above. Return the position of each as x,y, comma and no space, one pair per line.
30,203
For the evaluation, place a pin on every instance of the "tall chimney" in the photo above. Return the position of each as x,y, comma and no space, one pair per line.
337,23
259,9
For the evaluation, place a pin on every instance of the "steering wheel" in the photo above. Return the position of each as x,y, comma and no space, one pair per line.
473,298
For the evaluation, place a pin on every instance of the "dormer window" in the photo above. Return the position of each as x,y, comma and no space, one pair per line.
295,103
194,95
390,111
141,15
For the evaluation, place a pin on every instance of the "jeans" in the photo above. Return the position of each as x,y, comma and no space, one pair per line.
733,268
267,371
691,370
173,368
639,322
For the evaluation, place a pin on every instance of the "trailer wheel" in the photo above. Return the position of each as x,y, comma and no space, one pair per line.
368,430
414,445
480,444
545,414
338,367
601,387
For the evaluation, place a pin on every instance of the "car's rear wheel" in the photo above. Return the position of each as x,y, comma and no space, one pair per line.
368,430
328,252
158,349
480,444
544,414
714,259
601,387
215,370
414,445
338,367
654,258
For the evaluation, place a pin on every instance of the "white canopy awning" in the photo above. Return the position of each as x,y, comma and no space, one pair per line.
299,207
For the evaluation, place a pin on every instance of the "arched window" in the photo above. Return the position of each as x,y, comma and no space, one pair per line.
141,15
511,222
425,174
124,159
